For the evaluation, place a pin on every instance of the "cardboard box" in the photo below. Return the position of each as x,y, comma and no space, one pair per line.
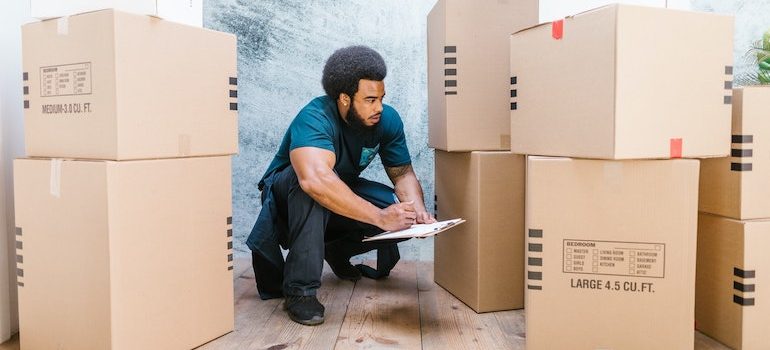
118,86
481,262
468,72
607,84
736,187
123,255
611,253
183,11
730,290
551,10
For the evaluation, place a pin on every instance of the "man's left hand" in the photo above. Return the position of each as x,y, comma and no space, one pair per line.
424,217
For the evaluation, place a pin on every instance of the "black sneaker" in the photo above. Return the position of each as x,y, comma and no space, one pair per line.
343,269
304,309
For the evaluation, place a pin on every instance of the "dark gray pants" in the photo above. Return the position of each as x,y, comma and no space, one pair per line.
309,231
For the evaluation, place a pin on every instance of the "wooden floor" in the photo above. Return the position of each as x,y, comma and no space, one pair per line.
405,311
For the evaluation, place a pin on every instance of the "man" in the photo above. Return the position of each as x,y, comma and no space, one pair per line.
313,201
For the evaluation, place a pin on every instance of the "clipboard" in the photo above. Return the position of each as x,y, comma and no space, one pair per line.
418,231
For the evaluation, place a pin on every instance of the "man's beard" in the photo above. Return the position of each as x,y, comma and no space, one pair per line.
357,122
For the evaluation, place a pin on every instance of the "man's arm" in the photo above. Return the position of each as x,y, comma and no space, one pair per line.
314,168
408,189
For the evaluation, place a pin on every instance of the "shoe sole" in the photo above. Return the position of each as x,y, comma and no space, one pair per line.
347,277
316,320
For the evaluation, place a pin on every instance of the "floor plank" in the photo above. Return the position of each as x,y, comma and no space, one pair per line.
447,323
384,314
280,332
405,311
703,342
512,324
11,344
250,314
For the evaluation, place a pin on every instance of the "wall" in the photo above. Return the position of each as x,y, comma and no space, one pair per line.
752,18
282,46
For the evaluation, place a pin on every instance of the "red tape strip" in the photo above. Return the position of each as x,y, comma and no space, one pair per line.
675,148
557,29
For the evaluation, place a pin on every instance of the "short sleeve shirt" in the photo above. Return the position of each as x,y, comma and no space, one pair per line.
319,125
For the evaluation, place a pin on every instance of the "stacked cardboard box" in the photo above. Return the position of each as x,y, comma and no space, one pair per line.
611,238
183,11
734,230
481,261
124,237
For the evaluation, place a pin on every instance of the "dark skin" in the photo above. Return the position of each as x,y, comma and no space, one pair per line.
315,170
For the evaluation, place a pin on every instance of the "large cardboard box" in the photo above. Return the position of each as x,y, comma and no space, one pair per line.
183,11
607,84
736,187
481,261
117,86
468,72
551,10
611,253
730,292
123,255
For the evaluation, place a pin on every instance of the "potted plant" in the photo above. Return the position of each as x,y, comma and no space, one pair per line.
759,56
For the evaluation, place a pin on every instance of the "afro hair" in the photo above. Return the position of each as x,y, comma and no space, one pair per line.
346,66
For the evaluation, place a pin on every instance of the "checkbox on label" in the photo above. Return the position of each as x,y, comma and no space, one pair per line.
569,262
596,263
569,256
569,250
569,268
632,259
596,269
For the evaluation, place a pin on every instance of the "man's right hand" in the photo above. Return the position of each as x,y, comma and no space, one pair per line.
398,216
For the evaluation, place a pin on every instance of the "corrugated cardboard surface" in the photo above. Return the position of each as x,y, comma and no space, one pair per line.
636,221
730,295
183,11
736,186
117,86
616,87
468,64
551,10
130,255
481,261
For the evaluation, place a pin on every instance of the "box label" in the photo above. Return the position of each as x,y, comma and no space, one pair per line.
612,285
65,80
632,259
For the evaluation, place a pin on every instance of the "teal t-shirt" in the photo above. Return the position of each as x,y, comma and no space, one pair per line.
318,125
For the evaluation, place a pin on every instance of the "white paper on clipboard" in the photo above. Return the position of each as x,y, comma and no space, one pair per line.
418,231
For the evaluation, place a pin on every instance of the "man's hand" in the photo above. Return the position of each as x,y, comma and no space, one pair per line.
424,217
408,189
398,216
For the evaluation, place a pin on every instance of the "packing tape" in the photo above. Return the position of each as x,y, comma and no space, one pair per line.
505,141
675,148
557,29
56,177
184,145
63,25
